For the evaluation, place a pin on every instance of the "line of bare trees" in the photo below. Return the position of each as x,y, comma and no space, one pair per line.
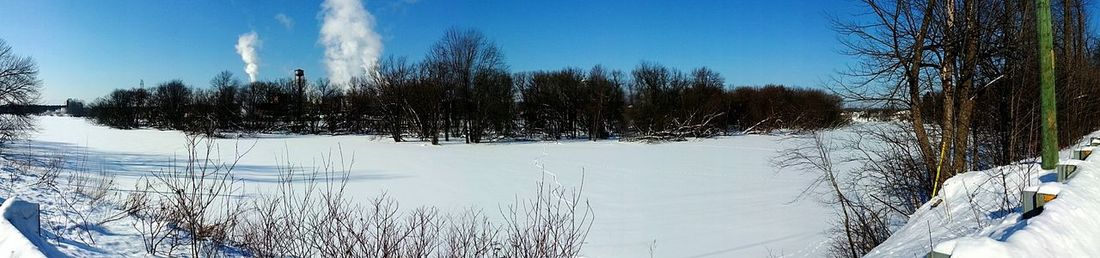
463,89
965,76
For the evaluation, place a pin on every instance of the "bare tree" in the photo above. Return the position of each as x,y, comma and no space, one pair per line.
171,101
330,105
463,55
391,81
864,213
227,103
604,108
428,111
19,85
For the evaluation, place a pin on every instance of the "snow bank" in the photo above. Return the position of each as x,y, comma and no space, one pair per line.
976,220
1068,226
19,231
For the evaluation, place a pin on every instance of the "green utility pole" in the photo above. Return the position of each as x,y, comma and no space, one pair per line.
1046,80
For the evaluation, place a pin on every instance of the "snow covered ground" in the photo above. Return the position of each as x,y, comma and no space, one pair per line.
19,230
702,198
983,223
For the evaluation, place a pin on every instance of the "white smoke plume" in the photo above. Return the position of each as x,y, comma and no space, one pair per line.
351,45
246,46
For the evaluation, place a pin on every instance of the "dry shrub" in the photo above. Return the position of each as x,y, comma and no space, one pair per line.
310,215
190,209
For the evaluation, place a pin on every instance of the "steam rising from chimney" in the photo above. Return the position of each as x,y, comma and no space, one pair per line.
246,46
351,45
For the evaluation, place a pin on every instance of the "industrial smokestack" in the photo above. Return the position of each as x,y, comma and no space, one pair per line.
351,45
246,46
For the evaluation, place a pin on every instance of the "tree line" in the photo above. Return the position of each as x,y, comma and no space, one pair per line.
463,89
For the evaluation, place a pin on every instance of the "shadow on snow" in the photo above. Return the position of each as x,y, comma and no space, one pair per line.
135,165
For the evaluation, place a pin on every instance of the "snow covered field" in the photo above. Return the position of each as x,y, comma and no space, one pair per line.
703,198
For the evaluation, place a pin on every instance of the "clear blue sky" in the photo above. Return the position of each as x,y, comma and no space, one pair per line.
87,48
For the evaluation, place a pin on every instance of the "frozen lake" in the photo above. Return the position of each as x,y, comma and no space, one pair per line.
702,198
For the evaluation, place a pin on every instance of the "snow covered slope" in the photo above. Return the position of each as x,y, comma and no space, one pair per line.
983,223
705,198
19,233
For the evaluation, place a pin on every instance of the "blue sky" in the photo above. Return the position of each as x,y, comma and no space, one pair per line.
86,48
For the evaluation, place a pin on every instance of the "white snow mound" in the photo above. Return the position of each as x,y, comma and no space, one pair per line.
19,230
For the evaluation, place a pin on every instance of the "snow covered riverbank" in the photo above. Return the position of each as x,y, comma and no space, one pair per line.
981,212
704,198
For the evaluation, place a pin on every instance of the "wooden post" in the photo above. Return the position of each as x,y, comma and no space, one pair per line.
1046,80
